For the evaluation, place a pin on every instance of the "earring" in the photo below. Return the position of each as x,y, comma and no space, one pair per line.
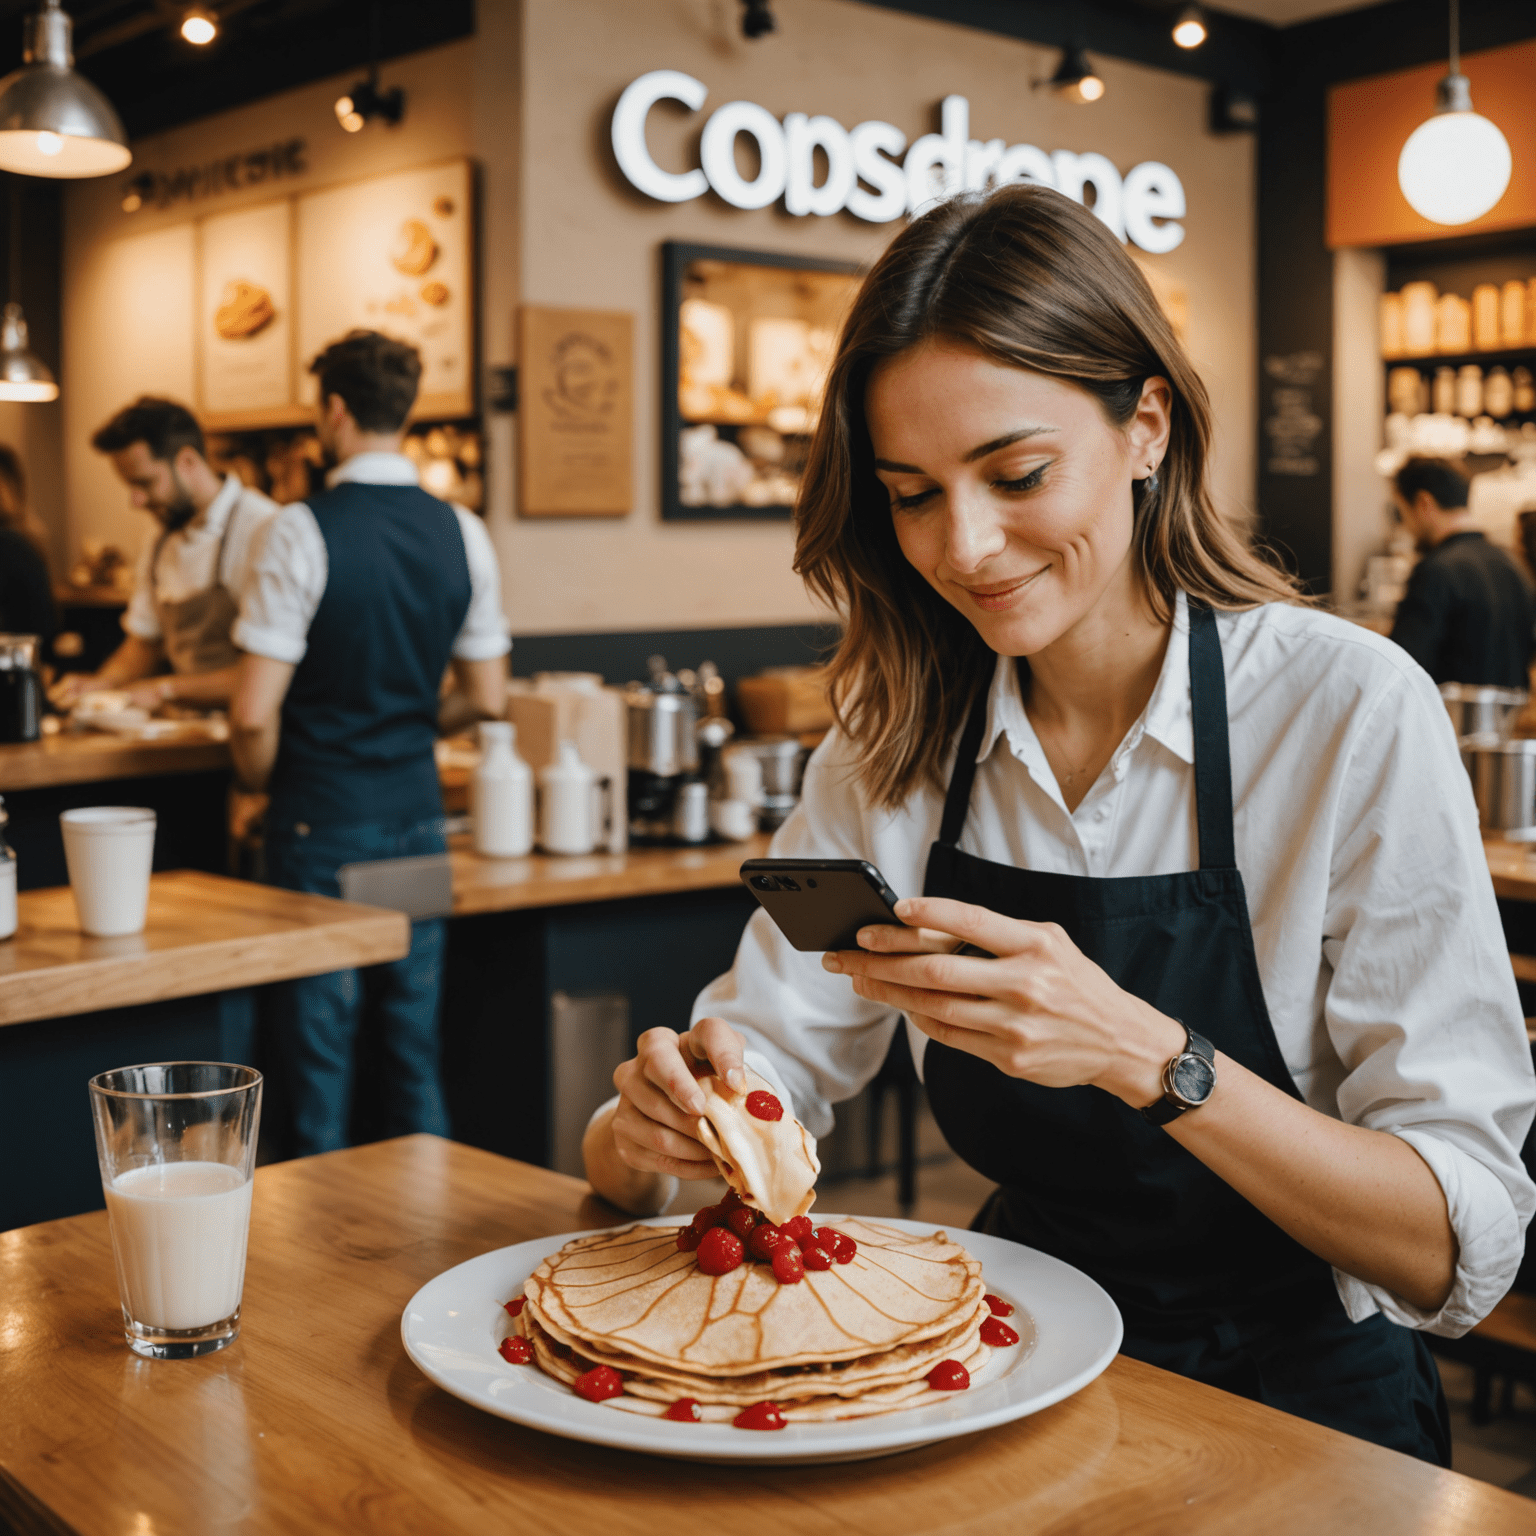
1149,485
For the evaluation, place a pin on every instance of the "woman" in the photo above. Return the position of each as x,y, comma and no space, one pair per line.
1117,754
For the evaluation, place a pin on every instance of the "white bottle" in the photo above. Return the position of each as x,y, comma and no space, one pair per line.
501,795
7,879
567,803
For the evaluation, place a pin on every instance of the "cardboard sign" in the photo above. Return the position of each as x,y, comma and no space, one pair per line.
575,412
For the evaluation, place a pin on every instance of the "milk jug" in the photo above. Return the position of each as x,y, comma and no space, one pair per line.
501,795
570,807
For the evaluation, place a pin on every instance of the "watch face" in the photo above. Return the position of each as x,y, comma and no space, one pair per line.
1193,1079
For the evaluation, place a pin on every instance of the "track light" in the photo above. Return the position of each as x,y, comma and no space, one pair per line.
366,101
758,21
1075,78
199,26
1190,30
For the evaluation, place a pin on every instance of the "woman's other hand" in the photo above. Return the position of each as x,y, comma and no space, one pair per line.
1040,1010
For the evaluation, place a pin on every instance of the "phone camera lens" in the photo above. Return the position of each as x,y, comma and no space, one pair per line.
811,883
786,884
765,882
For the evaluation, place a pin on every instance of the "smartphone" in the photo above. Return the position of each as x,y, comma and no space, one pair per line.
821,903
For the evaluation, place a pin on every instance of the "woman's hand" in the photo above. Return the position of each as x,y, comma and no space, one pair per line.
659,1101
1041,1010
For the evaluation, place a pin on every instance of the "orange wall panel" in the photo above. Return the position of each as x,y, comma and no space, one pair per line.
1369,122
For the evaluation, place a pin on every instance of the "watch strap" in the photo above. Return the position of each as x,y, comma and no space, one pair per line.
1169,1107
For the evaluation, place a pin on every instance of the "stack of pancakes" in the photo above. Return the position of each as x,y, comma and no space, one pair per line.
853,1340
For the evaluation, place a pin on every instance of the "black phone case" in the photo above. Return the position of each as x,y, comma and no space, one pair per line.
821,904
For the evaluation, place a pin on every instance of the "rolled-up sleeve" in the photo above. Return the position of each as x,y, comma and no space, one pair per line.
483,635
1421,1006
141,618
283,586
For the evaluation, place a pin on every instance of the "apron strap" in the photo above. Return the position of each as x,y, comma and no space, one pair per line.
958,801
1213,761
218,559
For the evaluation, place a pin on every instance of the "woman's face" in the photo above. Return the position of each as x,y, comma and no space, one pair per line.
1010,490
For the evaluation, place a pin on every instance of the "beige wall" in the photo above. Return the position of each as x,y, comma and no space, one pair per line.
1362,505
530,98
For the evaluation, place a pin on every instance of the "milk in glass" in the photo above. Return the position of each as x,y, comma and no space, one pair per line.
178,1234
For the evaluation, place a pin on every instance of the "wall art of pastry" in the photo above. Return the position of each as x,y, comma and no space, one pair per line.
392,253
245,315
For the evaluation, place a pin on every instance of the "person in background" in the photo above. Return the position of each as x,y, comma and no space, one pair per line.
186,590
357,603
26,592
1467,615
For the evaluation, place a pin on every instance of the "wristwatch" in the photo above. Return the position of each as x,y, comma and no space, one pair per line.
1188,1080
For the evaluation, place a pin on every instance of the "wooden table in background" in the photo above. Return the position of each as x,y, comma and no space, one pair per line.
315,1420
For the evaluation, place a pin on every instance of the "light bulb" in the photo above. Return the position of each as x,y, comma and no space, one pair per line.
1454,167
1089,88
132,202
199,27
49,143
353,122
1190,32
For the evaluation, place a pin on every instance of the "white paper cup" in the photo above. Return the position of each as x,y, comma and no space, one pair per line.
109,850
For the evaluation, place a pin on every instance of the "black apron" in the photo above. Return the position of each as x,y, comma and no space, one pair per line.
1208,1286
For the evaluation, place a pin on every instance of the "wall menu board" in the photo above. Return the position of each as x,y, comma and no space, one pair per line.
576,412
279,281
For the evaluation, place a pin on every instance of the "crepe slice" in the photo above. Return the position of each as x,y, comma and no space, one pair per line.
637,1396
631,1291
771,1164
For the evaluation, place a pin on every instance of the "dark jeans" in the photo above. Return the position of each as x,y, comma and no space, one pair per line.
315,1019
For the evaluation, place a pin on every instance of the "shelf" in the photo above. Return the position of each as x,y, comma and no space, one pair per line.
1507,357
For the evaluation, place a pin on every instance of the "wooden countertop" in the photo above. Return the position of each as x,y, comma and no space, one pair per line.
86,756
315,1419
204,933
1513,867
552,880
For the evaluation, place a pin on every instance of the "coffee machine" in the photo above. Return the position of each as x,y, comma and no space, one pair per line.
664,780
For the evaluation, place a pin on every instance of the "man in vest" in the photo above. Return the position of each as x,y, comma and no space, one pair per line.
356,604
187,587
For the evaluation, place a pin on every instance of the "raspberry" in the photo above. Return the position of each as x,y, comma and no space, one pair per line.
999,1307
949,1376
741,1221
516,1305
843,1248
763,1106
814,1256
732,1201
602,1381
759,1416
684,1411
688,1239
720,1251
788,1264
514,1350
799,1228
765,1239
997,1333
826,1237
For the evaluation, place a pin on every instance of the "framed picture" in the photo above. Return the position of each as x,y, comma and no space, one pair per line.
244,318
391,253
747,339
576,412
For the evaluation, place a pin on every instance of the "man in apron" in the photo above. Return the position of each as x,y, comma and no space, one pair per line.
186,594
360,599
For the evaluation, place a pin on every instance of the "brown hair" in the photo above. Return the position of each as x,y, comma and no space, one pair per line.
375,375
1033,280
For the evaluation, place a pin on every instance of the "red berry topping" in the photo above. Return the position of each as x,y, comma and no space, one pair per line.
759,1416
741,1221
684,1411
602,1381
720,1251
844,1248
797,1227
814,1256
949,1376
688,1239
763,1106
997,1333
515,1350
732,1201
765,1240
710,1216
515,1305
1000,1308
788,1264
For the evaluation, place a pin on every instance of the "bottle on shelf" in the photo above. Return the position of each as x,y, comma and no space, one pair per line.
501,795
1512,331
8,917
1487,329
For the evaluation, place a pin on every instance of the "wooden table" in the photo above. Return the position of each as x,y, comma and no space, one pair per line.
316,1421
90,757
72,1006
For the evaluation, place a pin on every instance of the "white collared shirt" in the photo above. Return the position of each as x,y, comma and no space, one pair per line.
1378,940
186,563
288,577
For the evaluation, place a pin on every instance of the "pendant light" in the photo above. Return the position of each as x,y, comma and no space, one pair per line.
1190,30
1075,78
54,122
23,375
1455,166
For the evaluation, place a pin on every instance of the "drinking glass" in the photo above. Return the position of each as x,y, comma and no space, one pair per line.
177,1143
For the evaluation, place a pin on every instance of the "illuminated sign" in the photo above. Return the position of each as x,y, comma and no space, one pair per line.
870,169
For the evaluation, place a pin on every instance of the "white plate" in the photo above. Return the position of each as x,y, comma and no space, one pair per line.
453,1324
